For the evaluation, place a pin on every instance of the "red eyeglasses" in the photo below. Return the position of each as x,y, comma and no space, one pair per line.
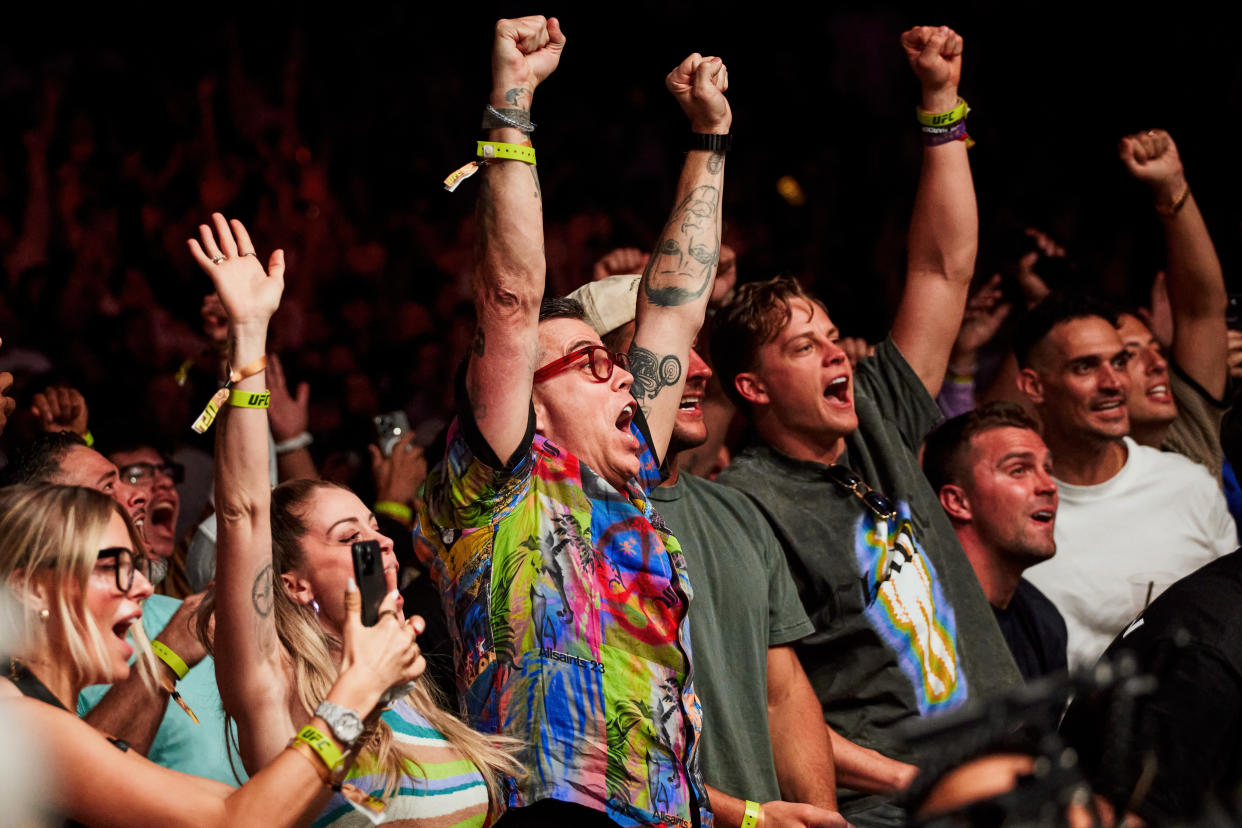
601,359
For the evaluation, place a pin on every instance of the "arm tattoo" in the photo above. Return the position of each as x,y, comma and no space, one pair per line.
514,96
652,374
715,162
534,173
262,594
681,269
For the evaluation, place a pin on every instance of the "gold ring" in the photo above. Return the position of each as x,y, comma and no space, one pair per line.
218,259
246,253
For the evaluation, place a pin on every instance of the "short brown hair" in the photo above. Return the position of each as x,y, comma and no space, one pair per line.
752,318
946,446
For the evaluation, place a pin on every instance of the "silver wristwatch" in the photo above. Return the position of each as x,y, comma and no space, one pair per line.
345,724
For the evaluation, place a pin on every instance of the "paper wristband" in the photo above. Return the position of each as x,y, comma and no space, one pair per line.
943,119
219,398
751,818
324,747
166,655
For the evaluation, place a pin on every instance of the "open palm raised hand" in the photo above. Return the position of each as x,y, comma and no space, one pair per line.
248,292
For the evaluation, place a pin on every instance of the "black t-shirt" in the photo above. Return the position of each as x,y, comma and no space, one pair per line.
1190,639
1034,631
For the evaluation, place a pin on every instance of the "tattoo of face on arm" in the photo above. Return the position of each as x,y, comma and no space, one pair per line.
681,269
652,374
715,162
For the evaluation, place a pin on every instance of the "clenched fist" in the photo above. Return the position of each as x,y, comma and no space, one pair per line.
1152,158
935,55
525,51
699,84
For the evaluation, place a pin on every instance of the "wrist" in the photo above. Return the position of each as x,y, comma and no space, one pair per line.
1169,191
353,690
711,127
939,100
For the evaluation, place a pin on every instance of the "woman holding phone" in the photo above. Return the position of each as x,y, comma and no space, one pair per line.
283,558
72,565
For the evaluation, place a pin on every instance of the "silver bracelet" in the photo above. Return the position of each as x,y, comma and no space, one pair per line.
294,443
493,118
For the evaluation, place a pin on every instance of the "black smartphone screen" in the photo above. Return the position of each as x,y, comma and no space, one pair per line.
369,575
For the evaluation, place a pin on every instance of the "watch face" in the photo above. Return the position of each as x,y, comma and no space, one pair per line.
348,727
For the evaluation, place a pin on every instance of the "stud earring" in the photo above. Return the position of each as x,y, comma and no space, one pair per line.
43,615
315,606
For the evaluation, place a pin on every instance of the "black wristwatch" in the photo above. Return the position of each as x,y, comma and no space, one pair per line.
711,142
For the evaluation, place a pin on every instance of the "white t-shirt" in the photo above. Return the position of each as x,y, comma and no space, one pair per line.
1122,542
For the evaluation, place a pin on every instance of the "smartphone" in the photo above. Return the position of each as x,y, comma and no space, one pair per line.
369,576
389,428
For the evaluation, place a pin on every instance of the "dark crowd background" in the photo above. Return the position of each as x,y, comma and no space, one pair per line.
329,132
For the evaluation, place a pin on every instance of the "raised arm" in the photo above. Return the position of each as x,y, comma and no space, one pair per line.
944,230
247,651
677,281
509,267
1196,283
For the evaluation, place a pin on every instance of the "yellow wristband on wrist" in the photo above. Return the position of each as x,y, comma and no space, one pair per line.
324,747
495,150
250,399
89,438
165,654
393,509
942,119
751,818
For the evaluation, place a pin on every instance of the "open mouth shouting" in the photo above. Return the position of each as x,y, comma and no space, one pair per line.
837,392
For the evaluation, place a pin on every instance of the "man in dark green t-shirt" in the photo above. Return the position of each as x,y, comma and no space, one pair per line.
902,627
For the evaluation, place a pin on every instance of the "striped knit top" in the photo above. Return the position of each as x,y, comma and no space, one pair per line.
448,793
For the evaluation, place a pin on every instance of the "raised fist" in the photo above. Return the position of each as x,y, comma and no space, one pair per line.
699,84
525,51
60,408
935,55
1152,158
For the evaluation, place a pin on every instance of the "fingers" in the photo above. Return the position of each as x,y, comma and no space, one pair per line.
353,602
200,255
555,35
377,459
276,266
224,235
679,80
244,245
303,397
209,243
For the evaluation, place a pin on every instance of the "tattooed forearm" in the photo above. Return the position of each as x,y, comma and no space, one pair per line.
261,593
534,173
652,373
715,163
681,269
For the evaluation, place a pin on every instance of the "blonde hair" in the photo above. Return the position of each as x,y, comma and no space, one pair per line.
60,529
309,648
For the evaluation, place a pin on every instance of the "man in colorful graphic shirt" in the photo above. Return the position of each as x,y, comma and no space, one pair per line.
565,592
902,628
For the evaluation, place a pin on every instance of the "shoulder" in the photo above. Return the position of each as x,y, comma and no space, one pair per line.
712,492
1175,468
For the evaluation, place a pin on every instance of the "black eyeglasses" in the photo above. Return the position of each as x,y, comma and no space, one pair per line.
144,474
845,477
123,564
602,362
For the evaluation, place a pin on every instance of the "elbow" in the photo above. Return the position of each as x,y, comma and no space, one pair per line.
509,298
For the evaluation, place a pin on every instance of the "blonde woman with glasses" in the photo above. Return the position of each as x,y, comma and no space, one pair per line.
71,562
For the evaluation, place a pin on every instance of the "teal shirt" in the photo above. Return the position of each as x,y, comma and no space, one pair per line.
196,749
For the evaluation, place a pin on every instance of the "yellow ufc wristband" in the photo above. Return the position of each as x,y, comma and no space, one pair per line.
249,399
494,150
174,661
942,119
324,747
393,509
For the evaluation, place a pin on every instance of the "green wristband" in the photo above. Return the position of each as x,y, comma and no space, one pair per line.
393,509
322,745
751,818
170,658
